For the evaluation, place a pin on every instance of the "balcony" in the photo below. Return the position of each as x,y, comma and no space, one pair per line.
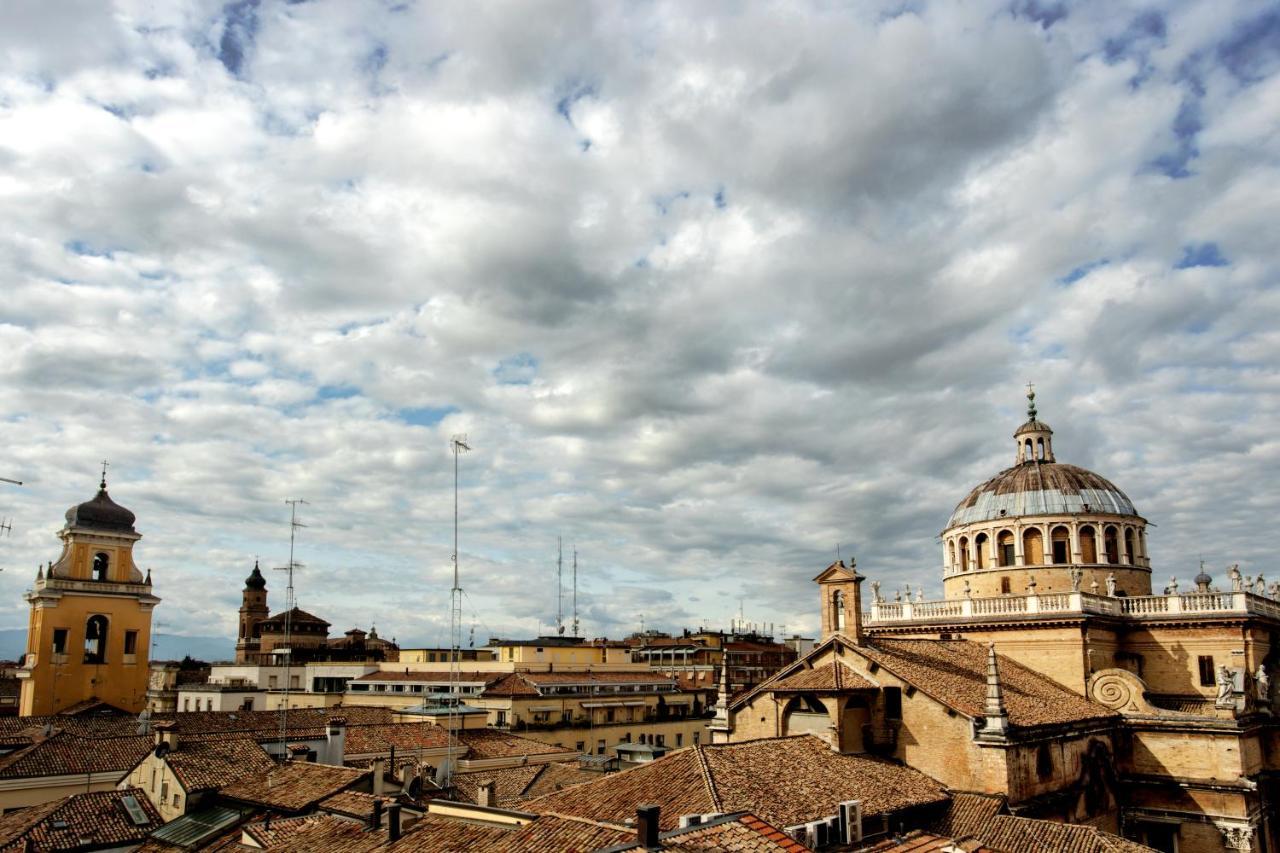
1071,603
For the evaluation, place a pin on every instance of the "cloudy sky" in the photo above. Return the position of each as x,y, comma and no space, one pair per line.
712,289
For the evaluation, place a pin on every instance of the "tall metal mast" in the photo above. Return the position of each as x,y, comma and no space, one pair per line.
559,586
458,445
289,604
575,590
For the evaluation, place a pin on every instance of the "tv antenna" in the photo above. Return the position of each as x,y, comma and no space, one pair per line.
289,604
458,446
575,590
559,587
6,525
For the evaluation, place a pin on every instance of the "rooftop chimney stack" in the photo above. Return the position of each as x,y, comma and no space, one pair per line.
375,820
393,821
647,827
336,741
486,795
379,770
166,735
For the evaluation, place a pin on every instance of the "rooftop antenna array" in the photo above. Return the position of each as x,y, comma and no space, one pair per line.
289,604
559,587
6,525
575,590
457,445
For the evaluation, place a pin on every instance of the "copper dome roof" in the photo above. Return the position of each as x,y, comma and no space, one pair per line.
1041,488
101,513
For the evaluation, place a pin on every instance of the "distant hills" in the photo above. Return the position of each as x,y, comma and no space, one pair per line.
13,642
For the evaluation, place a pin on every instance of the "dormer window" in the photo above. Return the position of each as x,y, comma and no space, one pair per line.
101,562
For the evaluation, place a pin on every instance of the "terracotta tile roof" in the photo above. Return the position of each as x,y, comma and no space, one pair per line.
831,677
967,813
64,754
1010,834
512,684
294,786
297,615
211,764
362,740
510,783
356,804
492,743
281,833
560,775
547,834
80,821
785,781
741,833
926,842
955,673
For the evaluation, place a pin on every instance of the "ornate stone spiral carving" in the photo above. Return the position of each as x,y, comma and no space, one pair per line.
1119,690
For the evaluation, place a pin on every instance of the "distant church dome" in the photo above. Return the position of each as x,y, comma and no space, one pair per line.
255,579
101,513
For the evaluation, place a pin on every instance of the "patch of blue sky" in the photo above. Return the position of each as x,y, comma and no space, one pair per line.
569,95
1020,334
1201,255
665,203
584,145
1252,52
238,33
155,275
1143,32
519,369
84,247
337,392
375,60
427,415
1046,14
1054,351
1187,124
1081,271
1198,326
719,199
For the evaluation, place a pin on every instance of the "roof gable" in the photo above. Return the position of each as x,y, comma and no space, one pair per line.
838,571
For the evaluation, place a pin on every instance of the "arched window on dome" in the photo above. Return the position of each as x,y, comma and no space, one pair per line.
1088,545
1004,548
1030,451
95,639
1032,547
1111,541
101,562
1061,538
980,551
1129,551
951,556
1040,449
964,554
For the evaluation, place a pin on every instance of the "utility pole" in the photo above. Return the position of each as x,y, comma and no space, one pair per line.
575,590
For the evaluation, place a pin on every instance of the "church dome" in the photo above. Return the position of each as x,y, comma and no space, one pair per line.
101,513
1041,488
255,579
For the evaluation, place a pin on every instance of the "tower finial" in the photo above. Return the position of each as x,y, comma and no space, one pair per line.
105,466
1031,402
996,722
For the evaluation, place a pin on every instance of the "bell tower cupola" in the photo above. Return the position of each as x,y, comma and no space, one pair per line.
253,611
1034,438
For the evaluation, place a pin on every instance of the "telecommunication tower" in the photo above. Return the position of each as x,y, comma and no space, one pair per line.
289,604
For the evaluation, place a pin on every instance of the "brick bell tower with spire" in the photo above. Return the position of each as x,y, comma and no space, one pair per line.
253,611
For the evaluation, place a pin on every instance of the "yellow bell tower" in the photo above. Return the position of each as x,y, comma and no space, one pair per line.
90,626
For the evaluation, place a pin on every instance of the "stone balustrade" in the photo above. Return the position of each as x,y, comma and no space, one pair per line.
1133,607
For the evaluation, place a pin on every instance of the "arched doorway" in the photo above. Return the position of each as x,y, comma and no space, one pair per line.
1088,545
1032,547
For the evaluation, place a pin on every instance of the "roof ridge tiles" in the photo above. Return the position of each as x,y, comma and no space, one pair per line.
707,779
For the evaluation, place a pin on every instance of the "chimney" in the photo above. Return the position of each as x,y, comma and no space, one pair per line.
379,769
336,741
299,752
393,821
485,795
165,734
375,820
647,827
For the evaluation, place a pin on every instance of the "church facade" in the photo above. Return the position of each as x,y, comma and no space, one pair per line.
89,632
1051,671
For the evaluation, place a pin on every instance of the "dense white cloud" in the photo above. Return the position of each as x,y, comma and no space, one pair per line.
712,288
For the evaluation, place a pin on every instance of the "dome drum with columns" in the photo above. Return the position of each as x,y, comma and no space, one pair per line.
1046,523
